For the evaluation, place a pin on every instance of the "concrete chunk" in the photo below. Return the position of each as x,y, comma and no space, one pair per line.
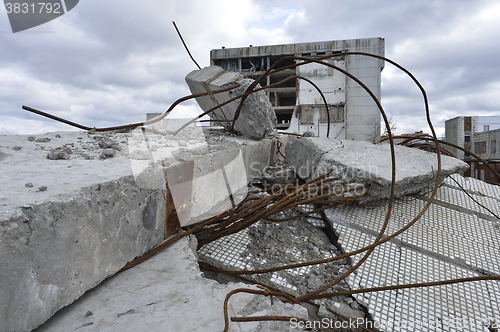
88,218
53,252
257,118
370,164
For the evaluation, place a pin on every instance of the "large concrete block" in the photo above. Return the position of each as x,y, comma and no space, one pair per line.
51,253
257,118
96,214
370,164
204,179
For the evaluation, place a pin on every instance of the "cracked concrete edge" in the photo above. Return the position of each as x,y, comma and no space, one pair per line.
370,164
51,253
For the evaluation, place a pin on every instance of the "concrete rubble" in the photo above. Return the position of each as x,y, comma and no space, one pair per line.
366,163
268,244
272,245
257,119
68,224
83,216
91,202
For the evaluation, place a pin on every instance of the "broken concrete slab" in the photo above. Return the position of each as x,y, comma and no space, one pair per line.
94,216
202,178
168,293
257,118
370,164
52,252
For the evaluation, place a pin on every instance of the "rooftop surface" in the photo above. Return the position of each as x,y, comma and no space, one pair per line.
455,238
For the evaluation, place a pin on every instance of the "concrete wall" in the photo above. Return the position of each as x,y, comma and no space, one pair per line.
362,117
290,49
456,130
332,84
494,139
51,253
486,145
488,141
454,133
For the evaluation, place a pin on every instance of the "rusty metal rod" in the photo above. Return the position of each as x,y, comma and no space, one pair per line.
423,136
134,125
185,46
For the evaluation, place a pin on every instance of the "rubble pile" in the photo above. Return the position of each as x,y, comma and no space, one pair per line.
273,244
122,211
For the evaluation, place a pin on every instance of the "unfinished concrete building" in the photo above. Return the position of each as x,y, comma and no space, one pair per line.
464,132
298,105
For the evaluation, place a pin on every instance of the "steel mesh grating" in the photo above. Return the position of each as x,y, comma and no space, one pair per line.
446,243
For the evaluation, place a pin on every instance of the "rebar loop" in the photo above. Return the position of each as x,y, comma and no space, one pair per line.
253,209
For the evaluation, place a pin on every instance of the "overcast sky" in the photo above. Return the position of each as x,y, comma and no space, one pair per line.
109,62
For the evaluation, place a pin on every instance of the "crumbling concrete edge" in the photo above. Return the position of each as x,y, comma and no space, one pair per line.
53,252
370,165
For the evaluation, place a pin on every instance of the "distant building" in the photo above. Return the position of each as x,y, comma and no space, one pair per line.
459,132
385,138
298,105
463,131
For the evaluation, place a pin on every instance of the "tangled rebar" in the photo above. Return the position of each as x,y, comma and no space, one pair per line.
254,207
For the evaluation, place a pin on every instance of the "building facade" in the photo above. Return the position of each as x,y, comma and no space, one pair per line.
459,131
463,131
298,105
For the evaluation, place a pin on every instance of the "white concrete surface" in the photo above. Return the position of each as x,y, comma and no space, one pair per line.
30,165
167,293
90,220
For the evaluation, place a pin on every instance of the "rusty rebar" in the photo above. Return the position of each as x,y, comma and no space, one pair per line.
245,215
249,92
185,46
251,291
379,239
475,156
134,125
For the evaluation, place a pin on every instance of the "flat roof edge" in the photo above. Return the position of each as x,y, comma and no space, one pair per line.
320,46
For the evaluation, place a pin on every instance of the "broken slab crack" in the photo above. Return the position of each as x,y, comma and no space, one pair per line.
368,163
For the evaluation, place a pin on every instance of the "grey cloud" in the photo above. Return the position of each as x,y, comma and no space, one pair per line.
109,62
